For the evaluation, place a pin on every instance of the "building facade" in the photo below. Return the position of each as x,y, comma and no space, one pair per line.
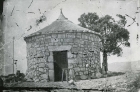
61,50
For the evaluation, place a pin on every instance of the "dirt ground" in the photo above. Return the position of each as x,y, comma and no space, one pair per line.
117,83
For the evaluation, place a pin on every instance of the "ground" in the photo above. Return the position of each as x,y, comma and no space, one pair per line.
118,83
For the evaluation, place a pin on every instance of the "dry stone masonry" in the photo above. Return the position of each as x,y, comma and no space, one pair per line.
83,51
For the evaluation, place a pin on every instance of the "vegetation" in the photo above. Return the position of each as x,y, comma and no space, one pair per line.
112,33
135,85
14,77
114,74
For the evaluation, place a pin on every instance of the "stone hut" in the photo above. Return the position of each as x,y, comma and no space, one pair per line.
63,50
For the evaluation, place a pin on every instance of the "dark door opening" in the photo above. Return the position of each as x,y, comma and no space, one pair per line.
60,62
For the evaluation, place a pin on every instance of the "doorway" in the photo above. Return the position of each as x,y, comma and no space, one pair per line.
60,62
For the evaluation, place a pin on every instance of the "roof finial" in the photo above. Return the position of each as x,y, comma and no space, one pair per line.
61,16
61,10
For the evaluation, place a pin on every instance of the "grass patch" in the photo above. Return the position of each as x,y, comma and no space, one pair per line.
110,74
114,74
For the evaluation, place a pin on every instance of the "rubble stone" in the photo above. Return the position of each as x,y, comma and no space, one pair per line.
51,75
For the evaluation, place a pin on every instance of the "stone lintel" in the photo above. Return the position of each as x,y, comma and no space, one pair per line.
59,48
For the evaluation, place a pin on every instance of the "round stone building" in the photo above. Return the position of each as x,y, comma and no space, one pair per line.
61,51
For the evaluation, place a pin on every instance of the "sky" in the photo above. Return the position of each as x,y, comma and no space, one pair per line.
20,20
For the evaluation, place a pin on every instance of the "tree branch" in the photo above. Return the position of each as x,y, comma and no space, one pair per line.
120,44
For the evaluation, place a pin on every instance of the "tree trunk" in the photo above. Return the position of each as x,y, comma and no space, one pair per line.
1,85
104,64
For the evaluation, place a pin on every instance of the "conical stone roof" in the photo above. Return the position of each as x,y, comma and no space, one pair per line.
61,25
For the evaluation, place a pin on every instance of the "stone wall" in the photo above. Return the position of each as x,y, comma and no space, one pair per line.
40,54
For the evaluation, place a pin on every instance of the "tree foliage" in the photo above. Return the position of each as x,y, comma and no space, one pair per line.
112,33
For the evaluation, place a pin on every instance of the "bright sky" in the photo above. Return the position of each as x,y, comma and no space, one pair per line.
18,19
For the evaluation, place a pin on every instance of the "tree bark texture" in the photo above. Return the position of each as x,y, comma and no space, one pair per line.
104,64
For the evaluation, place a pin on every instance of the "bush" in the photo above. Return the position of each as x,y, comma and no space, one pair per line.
19,77
114,74
110,74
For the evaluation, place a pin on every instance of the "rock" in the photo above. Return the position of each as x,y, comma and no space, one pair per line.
83,77
50,58
98,75
70,55
43,80
71,82
87,65
36,80
80,73
86,72
51,75
45,76
29,79
42,65
47,53
70,65
71,61
93,76
51,66
71,73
